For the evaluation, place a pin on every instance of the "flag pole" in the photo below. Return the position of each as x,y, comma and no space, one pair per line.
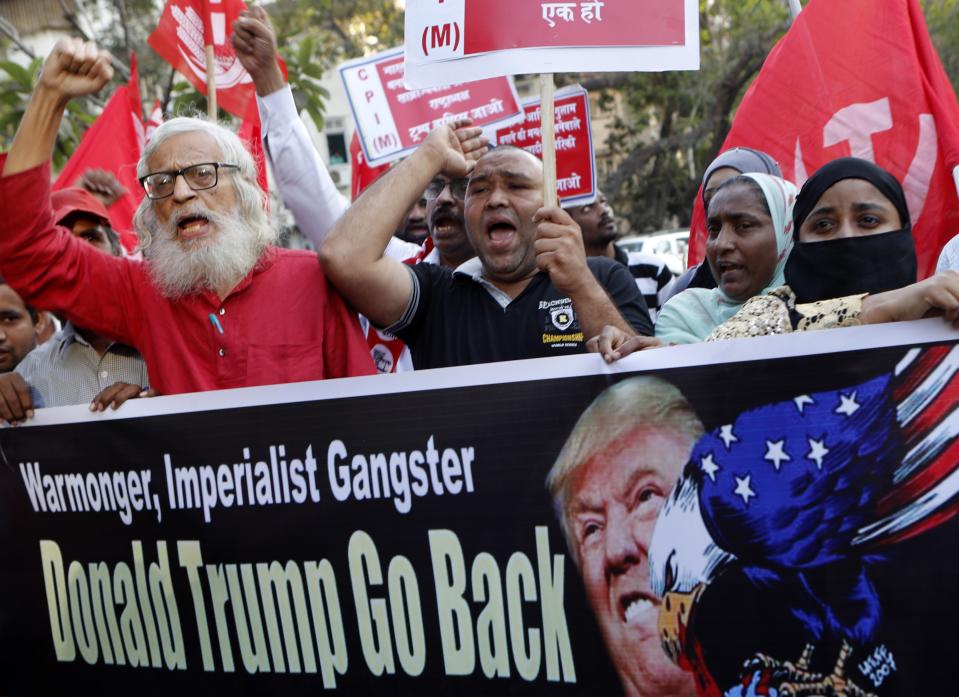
210,82
547,127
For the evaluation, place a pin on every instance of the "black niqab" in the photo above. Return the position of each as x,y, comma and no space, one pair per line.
851,265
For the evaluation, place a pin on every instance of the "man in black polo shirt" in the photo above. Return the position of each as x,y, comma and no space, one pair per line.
598,224
530,292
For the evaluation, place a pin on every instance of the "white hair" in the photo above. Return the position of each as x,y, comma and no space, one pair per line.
244,234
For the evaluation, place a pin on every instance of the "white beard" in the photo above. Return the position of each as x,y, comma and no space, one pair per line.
180,268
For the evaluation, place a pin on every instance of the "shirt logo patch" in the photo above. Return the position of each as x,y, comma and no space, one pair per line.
562,317
382,358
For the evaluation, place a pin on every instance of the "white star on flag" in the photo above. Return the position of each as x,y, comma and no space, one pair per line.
802,400
817,451
847,404
743,489
775,453
727,435
709,467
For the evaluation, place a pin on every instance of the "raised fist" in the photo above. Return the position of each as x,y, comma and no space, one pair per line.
456,147
75,68
254,41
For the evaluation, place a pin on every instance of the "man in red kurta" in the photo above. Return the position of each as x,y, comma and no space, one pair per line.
215,305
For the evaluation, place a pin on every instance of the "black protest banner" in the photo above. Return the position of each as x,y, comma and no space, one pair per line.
487,528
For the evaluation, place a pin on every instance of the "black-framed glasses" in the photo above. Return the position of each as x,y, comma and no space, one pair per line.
457,187
198,177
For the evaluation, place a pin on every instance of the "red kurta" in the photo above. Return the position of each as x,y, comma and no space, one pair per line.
283,323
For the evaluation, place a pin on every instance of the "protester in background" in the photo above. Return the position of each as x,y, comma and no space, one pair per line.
216,305
19,326
78,366
727,165
414,228
852,233
608,484
447,218
598,225
530,293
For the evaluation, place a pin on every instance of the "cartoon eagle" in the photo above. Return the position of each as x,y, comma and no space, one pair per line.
804,494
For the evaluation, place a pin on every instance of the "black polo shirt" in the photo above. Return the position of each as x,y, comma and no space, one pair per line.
459,318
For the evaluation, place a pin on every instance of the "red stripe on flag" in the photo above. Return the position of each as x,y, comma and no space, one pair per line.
918,371
930,522
921,426
922,482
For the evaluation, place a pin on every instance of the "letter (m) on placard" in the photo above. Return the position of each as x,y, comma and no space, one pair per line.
440,36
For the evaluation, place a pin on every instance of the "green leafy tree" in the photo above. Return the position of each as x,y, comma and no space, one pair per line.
16,84
323,33
942,17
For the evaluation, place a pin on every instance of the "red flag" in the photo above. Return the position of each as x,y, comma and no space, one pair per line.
185,28
114,143
877,91
363,174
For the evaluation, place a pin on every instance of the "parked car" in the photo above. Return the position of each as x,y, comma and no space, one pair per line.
670,245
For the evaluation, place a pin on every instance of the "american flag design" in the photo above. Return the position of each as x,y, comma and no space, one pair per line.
792,483
803,498
802,481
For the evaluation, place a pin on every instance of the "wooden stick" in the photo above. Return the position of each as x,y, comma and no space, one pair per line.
547,126
210,83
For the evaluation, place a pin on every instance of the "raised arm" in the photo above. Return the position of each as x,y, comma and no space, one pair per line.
352,256
304,183
73,69
47,265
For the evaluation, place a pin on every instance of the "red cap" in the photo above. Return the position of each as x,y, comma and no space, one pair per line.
77,200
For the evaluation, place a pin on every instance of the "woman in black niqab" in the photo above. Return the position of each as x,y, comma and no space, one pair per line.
849,263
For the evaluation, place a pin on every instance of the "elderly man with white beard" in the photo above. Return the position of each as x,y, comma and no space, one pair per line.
215,305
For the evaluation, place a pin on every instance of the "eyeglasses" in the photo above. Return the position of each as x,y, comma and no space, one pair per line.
198,177
457,187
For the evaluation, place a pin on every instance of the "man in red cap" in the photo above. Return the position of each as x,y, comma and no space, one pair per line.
78,365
